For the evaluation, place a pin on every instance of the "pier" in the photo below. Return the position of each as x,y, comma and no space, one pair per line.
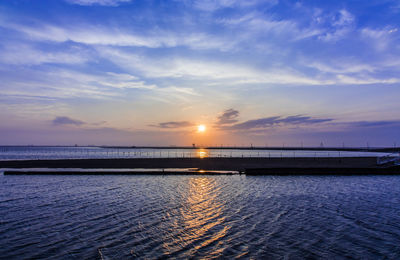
250,166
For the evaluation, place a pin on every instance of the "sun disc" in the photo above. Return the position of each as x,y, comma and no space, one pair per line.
201,128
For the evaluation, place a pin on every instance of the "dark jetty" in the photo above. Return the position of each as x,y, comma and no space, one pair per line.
250,166
100,172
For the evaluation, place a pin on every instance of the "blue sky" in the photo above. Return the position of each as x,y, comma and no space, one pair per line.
147,72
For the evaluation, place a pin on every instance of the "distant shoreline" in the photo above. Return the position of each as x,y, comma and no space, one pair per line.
281,148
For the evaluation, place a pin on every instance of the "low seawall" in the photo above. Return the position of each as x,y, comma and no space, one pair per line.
324,171
100,172
206,166
228,164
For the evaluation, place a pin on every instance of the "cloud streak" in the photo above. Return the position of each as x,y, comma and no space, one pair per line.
229,116
24,54
268,122
64,120
375,124
114,36
98,2
173,124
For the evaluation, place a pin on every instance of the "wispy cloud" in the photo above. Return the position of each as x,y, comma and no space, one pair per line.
24,54
341,66
325,26
234,74
380,38
337,25
98,2
255,25
65,84
109,40
213,5
375,124
173,124
115,36
207,70
64,120
267,122
123,81
229,116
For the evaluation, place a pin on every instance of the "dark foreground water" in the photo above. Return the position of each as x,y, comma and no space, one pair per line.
124,217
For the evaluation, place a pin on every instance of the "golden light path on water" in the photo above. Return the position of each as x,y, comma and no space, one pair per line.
202,153
200,220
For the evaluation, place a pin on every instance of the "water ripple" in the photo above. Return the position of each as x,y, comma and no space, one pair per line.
120,217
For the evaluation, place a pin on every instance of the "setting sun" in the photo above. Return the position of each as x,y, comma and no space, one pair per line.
201,128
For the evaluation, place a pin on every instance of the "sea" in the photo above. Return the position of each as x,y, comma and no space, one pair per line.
199,217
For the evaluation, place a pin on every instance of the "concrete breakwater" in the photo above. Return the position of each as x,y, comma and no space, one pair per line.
251,166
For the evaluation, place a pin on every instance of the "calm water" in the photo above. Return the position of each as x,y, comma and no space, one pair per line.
32,152
124,217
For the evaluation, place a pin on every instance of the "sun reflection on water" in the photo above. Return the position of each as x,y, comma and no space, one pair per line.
202,153
200,221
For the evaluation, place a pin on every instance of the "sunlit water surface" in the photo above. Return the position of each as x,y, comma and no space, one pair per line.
123,217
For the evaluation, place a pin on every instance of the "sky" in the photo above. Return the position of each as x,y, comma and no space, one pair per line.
147,72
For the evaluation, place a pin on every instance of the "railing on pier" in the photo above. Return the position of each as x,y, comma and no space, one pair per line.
43,153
